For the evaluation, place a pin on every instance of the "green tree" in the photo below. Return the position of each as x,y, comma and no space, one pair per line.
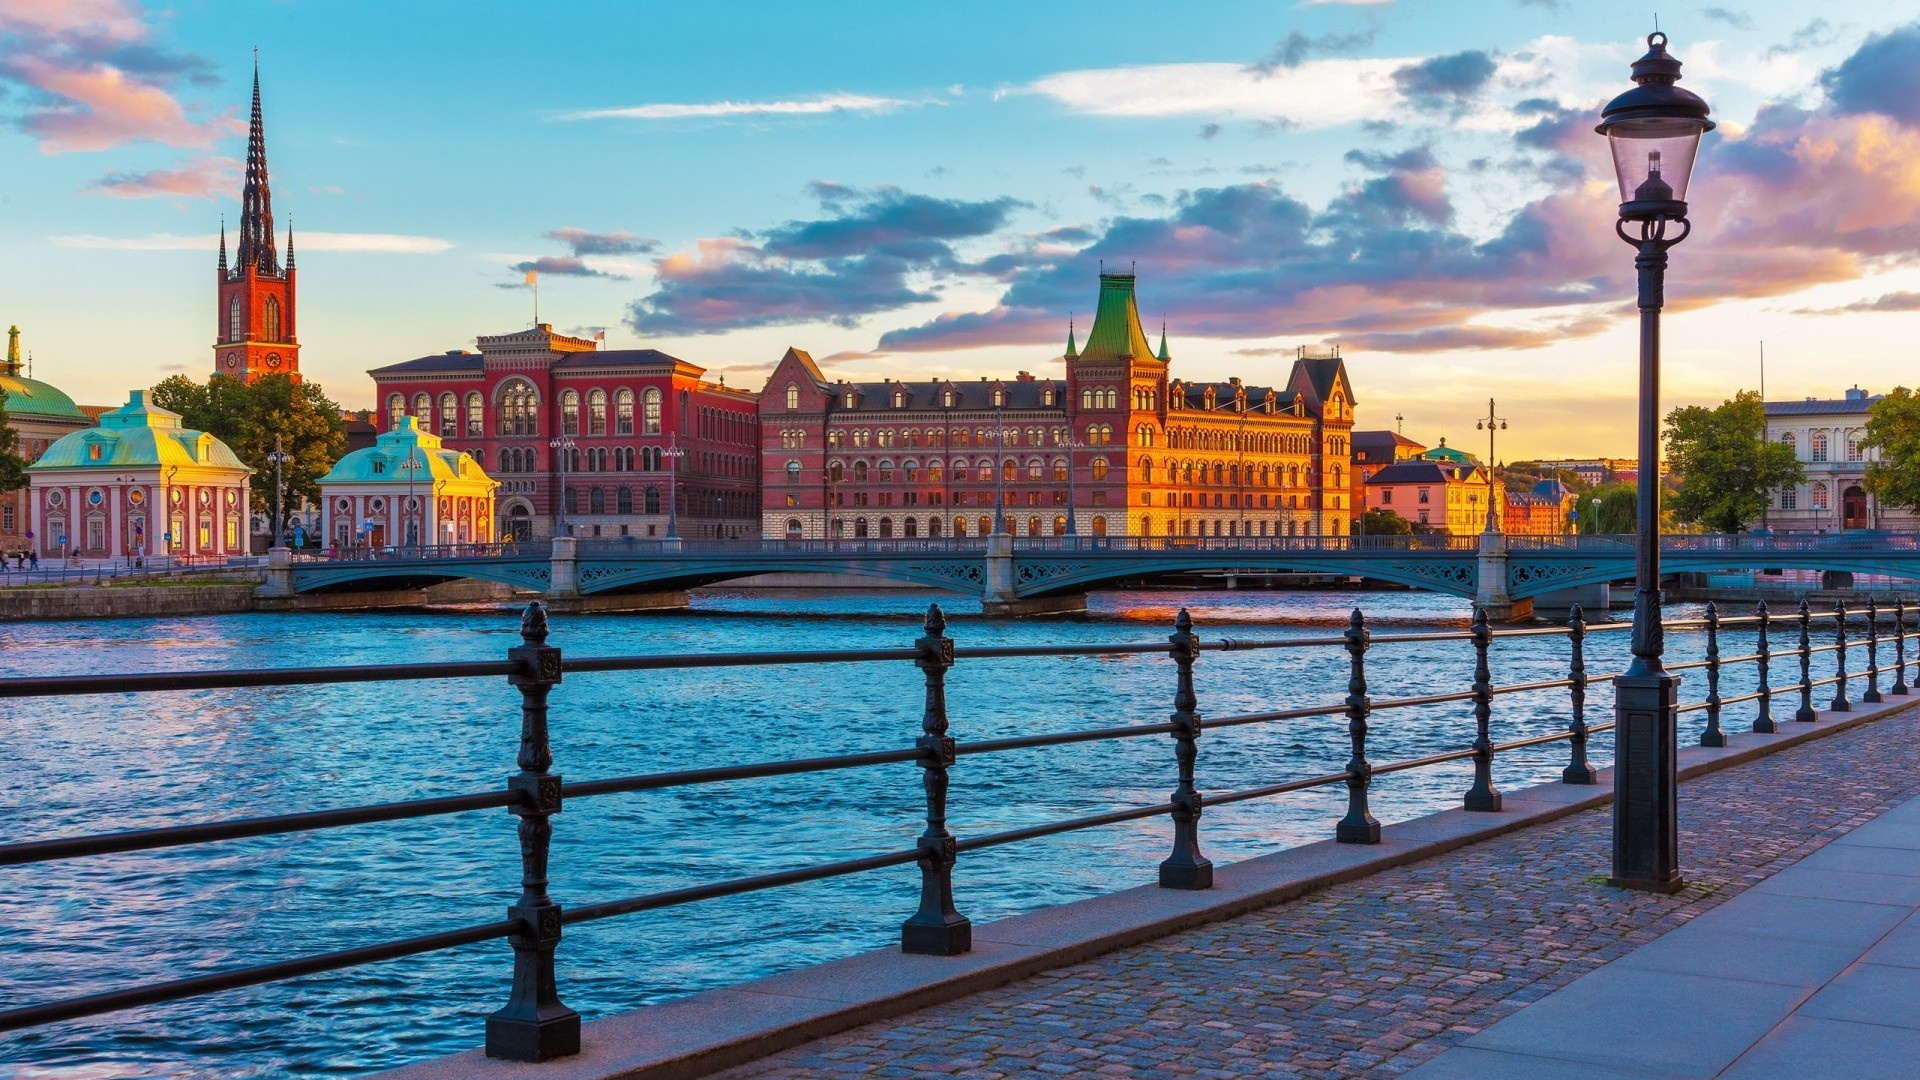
1893,428
1608,508
249,416
13,467
1382,522
1726,468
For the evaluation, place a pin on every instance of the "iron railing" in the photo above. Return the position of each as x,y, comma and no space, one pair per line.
535,1025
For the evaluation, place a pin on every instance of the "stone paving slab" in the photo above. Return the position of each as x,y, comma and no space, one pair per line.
1386,956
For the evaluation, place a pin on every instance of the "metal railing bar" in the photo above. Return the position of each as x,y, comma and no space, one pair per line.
1426,699
721,774
1061,738
151,681
1534,740
74,847
1242,719
155,993
1527,687
674,661
1423,762
735,886
1276,789
1051,828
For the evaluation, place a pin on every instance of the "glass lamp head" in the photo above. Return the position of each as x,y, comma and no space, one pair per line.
1654,132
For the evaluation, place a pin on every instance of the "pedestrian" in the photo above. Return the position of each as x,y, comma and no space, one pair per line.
33,558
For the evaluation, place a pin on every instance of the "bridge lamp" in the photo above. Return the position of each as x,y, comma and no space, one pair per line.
1654,132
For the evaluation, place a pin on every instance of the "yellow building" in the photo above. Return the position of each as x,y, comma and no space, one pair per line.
1435,496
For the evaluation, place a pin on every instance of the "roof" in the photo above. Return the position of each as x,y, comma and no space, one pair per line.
612,357
1421,472
1116,333
877,397
1194,395
453,360
1821,406
805,360
31,397
1443,452
385,461
1383,445
1322,372
1551,489
134,435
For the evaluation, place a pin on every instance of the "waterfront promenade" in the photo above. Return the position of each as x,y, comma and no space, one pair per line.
1382,975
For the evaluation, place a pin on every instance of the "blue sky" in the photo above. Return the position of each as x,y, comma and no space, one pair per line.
912,189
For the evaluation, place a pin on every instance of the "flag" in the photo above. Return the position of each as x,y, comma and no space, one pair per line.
599,335
533,276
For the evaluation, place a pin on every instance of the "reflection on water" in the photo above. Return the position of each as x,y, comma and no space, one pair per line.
118,762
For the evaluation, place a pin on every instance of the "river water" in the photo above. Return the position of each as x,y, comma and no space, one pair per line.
106,763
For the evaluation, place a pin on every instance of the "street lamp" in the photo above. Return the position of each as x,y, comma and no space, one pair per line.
673,453
1491,424
1654,131
563,444
1073,445
280,459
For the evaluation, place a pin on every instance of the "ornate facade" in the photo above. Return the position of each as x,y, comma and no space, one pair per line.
1828,435
1118,447
406,490
649,438
40,414
255,312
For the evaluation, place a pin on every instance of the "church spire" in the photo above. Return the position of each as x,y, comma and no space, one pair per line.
1163,340
1073,351
223,245
256,214
289,242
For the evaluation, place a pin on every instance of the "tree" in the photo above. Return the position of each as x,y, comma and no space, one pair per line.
1893,428
1608,509
1727,470
1382,522
248,417
13,467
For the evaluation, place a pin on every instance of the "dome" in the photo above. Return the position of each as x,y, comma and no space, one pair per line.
33,398
405,455
133,435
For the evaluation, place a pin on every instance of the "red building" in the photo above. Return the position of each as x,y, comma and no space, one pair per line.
254,320
1116,448
643,440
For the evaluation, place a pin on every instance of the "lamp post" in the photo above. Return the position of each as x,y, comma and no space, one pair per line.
1492,423
1654,131
280,459
563,444
673,453
1072,446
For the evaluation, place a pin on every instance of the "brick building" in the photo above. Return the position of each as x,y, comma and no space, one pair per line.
1118,447
254,319
650,439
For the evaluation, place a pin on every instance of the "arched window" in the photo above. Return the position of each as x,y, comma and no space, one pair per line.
793,472
449,415
519,409
596,501
272,319
793,398
476,415
959,525
999,398
1086,398
1099,525
859,472
986,526
1036,469
795,530
1098,469
1033,526
933,526
650,412
652,500
597,412
623,412
835,473
886,528
860,528
886,470
910,528
1853,446
423,412
1819,446
986,470
1820,492
1060,469
1146,470
235,331
396,408
946,398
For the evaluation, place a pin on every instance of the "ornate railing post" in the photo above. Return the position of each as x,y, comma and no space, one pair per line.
1186,868
1713,736
1840,702
1899,687
1578,770
1763,718
1359,826
937,929
1482,796
534,1025
1872,696
1805,714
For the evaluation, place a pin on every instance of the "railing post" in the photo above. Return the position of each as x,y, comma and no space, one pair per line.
1186,868
1872,696
1359,826
1763,719
1899,687
1578,770
1840,702
937,929
1482,796
534,1025
1805,714
1713,736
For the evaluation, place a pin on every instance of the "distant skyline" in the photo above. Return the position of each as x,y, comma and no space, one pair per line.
913,192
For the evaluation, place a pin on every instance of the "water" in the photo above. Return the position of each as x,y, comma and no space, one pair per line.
102,763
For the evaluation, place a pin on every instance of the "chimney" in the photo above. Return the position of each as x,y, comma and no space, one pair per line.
1856,394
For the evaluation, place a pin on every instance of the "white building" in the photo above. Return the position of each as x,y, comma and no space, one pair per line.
1827,435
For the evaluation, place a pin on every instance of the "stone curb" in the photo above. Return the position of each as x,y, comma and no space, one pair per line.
717,1029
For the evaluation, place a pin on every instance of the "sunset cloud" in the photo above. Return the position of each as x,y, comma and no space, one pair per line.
711,110
202,178
382,243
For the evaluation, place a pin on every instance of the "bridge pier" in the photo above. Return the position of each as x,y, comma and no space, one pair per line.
997,595
279,582
1491,594
563,570
1557,606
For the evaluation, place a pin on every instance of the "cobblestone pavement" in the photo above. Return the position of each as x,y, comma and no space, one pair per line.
1377,976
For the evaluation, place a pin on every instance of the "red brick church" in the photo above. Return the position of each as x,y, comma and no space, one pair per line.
254,321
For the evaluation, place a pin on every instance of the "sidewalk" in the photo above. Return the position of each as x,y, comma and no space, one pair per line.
1814,972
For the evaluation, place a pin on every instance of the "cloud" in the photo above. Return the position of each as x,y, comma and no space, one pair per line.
561,265
1311,95
1442,82
830,103
95,81
1296,48
1893,301
202,178
1882,76
1739,20
382,243
1209,131
853,261
584,242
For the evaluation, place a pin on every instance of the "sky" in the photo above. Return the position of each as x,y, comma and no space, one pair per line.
911,190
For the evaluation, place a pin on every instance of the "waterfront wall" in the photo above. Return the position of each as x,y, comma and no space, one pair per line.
222,598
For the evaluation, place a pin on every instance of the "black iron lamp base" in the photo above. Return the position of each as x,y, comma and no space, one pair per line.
1646,840
1186,874
950,936
553,1034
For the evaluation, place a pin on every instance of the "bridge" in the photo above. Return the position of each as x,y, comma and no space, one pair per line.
1013,575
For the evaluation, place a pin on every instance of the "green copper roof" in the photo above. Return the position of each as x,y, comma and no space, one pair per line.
1443,452
386,461
134,435
31,397
1116,333
1163,343
1072,350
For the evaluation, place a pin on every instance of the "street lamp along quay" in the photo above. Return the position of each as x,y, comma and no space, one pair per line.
1654,131
1489,425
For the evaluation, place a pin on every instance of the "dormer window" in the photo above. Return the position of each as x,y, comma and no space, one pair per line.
379,466
849,399
793,398
946,398
899,399
999,397
1047,395
94,451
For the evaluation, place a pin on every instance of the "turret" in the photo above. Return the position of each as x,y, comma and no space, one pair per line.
1073,351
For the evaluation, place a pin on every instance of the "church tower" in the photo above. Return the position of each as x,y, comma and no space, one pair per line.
254,320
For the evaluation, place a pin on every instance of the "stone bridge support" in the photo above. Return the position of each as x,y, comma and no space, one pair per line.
998,595
1491,594
563,587
279,582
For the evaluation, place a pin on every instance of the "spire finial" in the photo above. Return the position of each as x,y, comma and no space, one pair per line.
1163,339
1072,349
256,250
290,242
223,245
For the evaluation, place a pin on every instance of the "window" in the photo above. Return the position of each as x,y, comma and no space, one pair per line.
235,332
272,319
999,397
793,398
623,412
597,412
1853,446
650,412
623,500
1820,448
1789,499
1424,498
396,408
1099,525
946,399
653,500
519,409
986,470
793,472
1098,468
1060,469
859,472
1819,490
449,415
476,416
